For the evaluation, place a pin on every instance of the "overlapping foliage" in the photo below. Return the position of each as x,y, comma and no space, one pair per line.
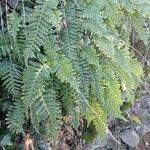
69,58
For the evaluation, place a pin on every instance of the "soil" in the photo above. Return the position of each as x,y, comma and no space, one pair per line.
144,143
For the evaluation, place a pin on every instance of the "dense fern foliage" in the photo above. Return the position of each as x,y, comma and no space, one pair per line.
69,58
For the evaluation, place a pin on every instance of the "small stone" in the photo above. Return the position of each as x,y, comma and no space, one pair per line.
146,143
148,104
130,137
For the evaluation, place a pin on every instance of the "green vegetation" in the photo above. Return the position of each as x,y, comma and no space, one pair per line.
69,58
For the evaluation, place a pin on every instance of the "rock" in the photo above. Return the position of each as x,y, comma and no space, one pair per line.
98,144
143,128
148,103
130,137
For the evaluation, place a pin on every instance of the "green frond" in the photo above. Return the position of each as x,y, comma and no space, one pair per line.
11,75
127,83
16,118
122,58
65,72
115,16
44,15
84,78
19,45
97,116
106,46
95,27
69,32
51,46
97,77
35,120
47,109
139,24
90,54
69,103
34,78
112,92
14,23
52,128
115,95
136,68
4,46
91,11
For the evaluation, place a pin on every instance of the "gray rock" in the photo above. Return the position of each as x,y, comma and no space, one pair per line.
130,137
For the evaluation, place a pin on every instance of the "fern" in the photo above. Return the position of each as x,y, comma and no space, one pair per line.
4,49
106,46
69,32
14,21
69,59
69,104
84,78
35,78
48,110
11,74
89,53
44,15
98,118
139,25
16,118
65,72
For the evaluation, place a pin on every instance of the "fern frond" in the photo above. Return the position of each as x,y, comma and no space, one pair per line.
115,95
97,78
91,11
98,118
70,32
106,46
95,27
136,68
84,78
127,83
11,75
4,46
110,92
39,26
115,16
69,99
65,72
35,77
139,23
16,118
122,58
90,54
14,23
47,109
